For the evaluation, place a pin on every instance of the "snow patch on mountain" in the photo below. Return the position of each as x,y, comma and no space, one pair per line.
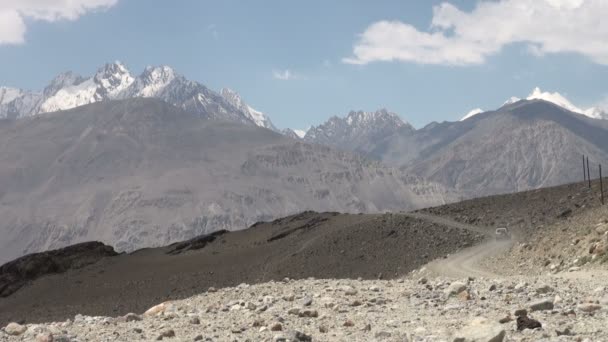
511,100
108,82
300,132
596,113
555,98
9,94
259,118
472,113
61,81
113,79
153,81
558,99
71,97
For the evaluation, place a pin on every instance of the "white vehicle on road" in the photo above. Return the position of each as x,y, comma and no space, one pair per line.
502,234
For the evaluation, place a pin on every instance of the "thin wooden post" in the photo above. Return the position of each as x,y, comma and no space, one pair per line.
588,173
601,185
584,170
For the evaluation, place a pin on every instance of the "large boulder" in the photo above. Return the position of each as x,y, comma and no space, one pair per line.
15,329
525,322
481,330
542,304
455,288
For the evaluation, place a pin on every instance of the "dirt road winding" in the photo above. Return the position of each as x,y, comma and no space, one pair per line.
465,263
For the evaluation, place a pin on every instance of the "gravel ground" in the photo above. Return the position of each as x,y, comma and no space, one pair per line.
414,308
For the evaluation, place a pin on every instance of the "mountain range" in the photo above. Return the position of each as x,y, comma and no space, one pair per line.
114,81
147,160
524,144
141,172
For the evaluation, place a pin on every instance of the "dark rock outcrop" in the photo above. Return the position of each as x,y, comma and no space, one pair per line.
15,274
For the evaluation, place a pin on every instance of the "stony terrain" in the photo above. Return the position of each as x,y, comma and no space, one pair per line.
573,242
414,308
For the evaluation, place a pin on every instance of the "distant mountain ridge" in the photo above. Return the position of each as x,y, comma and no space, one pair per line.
114,81
523,145
357,131
555,98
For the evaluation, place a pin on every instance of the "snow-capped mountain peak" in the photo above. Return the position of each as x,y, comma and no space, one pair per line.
555,98
472,113
69,90
152,81
356,129
259,118
362,119
9,94
558,99
295,133
112,79
61,81
232,96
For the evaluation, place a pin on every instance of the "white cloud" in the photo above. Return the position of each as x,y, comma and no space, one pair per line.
283,75
13,14
457,37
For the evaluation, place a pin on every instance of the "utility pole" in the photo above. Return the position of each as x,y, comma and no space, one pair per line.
584,170
601,185
588,173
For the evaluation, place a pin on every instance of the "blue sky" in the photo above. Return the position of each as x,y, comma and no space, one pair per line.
250,45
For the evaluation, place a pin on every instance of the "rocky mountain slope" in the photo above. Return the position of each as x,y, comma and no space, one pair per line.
114,81
256,116
524,145
141,172
358,131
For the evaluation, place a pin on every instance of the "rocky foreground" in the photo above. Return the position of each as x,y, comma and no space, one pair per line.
563,307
